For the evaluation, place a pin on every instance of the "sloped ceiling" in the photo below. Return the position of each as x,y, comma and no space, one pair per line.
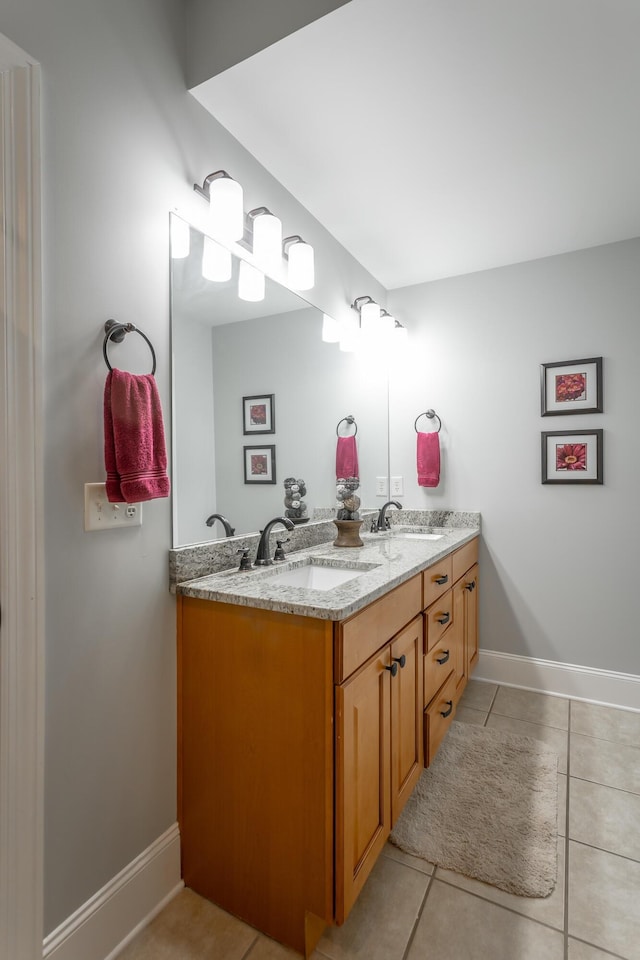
440,137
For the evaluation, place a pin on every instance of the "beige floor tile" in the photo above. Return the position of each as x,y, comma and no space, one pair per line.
552,736
266,949
604,893
394,853
562,804
601,761
604,817
582,951
478,695
191,928
470,715
460,926
380,924
533,707
605,723
549,910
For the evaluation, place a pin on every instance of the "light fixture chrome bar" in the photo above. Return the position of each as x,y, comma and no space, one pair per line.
206,183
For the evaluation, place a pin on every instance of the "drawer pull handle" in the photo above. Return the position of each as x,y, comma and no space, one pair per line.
401,660
444,618
445,713
444,658
471,585
393,669
443,579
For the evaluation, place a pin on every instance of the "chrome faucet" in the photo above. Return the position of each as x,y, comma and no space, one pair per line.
262,556
228,529
382,522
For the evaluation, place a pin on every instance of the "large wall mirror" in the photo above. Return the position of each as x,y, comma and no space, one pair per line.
226,349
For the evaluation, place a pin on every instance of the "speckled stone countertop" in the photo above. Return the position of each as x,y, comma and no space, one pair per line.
386,560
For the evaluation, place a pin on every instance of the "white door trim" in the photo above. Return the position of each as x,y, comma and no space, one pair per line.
21,519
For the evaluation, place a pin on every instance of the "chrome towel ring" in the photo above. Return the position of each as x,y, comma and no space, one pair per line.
116,332
348,420
430,414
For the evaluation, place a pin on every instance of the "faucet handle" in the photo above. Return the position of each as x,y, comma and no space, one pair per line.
279,554
245,563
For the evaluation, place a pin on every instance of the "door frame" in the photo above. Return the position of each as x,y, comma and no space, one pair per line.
21,514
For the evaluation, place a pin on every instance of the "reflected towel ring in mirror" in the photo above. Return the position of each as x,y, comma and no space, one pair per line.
348,420
116,331
430,414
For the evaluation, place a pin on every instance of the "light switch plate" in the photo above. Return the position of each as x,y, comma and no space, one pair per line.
100,514
381,486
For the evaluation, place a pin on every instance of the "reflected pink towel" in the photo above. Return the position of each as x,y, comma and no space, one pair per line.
347,457
428,458
135,455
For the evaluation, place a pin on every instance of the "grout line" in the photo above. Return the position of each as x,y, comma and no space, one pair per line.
412,935
609,786
595,946
250,948
611,853
500,906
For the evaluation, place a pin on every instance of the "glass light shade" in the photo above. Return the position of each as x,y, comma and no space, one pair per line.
369,316
301,274
216,261
330,329
267,241
387,324
226,203
250,282
400,336
350,335
180,238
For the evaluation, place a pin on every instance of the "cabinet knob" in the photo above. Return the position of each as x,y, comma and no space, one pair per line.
445,713
444,618
401,660
470,586
444,658
393,669
443,579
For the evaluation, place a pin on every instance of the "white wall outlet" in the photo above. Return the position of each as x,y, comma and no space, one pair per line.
100,514
382,485
397,486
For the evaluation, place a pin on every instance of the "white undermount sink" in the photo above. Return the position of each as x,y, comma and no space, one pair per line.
314,573
415,533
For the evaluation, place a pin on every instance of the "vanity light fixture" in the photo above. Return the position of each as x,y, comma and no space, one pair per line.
350,335
387,323
251,283
267,238
369,312
216,261
301,271
330,329
226,201
400,335
180,238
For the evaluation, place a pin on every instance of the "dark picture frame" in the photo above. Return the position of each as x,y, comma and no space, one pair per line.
571,386
259,414
572,456
259,464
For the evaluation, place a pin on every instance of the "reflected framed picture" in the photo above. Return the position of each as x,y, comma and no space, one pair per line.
259,414
573,456
571,386
260,464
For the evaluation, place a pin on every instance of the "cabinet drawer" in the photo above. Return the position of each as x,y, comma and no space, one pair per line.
438,618
464,558
438,664
367,631
436,580
437,718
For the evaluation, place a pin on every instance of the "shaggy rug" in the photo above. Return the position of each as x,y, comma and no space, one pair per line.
487,807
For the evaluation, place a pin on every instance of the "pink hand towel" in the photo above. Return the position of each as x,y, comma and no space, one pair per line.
135,455
347,457
428,458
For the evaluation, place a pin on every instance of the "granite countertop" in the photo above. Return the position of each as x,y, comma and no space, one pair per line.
386,560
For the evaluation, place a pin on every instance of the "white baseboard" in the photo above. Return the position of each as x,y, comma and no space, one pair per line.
604,687
103,926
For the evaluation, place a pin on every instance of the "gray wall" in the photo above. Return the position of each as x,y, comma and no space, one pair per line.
224,32
123,144
559,563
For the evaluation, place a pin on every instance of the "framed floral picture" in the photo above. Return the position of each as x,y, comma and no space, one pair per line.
571,386
258,414
572,456
260,464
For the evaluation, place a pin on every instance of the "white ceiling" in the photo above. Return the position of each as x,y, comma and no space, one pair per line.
439,137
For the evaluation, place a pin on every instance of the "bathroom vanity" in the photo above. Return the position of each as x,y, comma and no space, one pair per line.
306,716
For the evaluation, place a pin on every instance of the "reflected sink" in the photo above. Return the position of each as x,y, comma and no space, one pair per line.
415,533
315,573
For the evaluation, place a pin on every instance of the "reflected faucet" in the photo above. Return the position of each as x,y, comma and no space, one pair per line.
228,529
382,523
262,556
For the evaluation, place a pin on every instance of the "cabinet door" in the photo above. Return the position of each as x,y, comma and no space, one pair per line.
458,641
406,714
471,617
363,791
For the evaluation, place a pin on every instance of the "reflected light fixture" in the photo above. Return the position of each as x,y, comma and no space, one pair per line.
387,323
400,335
350,335
216,261
267,238
251,283
180,238
301,271
226,200
330,329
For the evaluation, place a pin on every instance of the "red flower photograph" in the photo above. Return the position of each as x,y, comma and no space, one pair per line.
571,386
258,413
571,456
258,464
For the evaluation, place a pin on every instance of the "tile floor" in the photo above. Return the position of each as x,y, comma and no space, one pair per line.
410,910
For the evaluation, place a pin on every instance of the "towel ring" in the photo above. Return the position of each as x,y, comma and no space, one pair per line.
116,331
430,414
349,420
